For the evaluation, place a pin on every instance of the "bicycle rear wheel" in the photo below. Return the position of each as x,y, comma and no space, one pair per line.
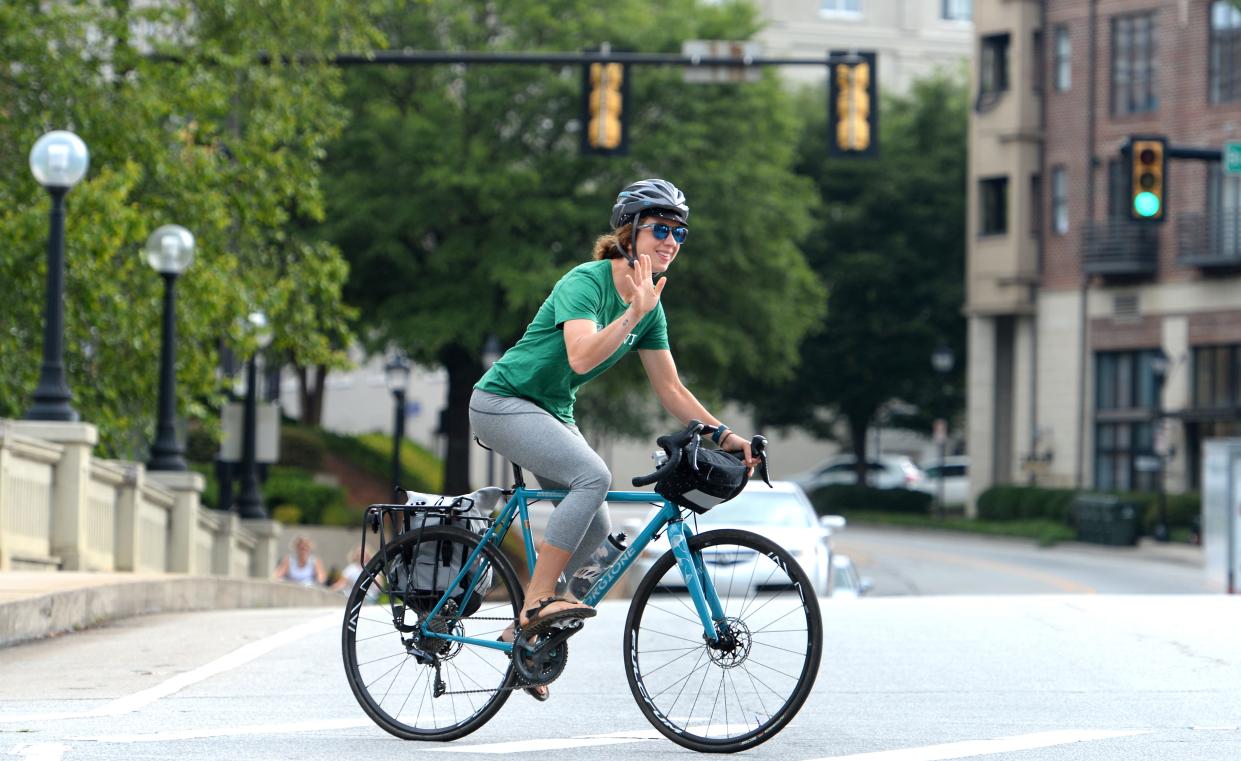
740,691
464,685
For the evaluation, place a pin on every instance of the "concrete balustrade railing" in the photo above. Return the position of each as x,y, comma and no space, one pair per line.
63,508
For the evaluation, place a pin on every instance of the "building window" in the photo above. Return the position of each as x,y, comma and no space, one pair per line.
993,194
1036,205
958,10
993,71
1223,211
1064,59
1117,190
840,7
1216,375
1225,51
1038,61
1124,407
1133,64
1059,200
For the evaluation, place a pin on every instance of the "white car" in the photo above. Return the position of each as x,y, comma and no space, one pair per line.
956,475
847,584
882,472
783,514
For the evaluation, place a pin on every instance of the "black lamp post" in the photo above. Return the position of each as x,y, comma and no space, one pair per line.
942,360
169,251
1160,365
491,355
58,161
396,376
250,501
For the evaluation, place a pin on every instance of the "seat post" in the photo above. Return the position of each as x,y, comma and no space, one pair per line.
519,480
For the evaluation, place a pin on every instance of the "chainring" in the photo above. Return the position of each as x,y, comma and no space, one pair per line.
544,660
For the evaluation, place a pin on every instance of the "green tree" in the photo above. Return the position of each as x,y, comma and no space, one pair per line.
889,243
459,196
184,125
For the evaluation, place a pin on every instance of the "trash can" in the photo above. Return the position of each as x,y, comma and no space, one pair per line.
1106,519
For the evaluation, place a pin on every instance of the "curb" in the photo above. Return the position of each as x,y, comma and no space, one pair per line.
81,608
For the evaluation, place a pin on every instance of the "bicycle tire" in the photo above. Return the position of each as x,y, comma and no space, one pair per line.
648,627
376,660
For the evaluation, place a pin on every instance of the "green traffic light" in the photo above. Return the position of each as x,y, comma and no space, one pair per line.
1146,204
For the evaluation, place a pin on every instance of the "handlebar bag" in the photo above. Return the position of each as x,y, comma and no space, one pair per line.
718,478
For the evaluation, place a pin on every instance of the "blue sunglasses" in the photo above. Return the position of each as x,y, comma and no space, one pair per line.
661,230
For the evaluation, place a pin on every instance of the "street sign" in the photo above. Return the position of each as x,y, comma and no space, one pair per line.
266,432
1232,157
742,51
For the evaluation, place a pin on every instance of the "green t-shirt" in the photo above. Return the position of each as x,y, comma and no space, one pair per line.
537,367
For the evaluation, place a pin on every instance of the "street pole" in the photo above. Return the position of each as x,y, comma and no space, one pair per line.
250,501
398,433
51,397
166,453
58,161
942,432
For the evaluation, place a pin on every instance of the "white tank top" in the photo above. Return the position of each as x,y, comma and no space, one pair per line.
302,574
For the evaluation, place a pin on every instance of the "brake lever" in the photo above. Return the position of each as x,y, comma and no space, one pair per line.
758,448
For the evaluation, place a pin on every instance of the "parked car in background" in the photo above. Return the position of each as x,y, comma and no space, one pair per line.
882,472
847,583
783,514
955,471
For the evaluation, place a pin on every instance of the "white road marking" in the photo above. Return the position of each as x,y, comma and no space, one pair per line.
584,741
969,748
238,657
41,751
293,727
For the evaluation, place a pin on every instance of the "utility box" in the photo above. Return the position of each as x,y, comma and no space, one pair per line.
1221,512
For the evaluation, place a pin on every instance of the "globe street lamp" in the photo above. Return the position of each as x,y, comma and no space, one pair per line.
169,251
396,376
942,360
1159,366
250,501
58,161
491,355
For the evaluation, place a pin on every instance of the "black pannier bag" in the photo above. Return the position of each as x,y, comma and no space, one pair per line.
435,564
703,479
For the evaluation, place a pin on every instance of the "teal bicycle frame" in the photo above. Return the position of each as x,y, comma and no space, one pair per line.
697,581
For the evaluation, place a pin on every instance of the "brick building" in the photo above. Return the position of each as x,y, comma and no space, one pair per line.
1069,301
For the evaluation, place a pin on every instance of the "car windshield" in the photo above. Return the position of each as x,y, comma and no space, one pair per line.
757,508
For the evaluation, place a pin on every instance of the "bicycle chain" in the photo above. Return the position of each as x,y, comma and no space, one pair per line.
509,688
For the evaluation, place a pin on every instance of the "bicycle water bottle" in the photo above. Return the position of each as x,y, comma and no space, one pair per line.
602,558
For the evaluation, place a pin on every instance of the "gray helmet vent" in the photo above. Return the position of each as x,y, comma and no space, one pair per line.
649,195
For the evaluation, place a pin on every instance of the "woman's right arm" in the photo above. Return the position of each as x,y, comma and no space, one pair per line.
587,347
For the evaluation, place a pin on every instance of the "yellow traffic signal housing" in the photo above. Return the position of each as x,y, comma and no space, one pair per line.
853,105
604,123
1148,165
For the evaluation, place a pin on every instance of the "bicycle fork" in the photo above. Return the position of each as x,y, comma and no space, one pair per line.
697,581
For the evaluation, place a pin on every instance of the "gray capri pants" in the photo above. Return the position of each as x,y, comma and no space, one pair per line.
558,455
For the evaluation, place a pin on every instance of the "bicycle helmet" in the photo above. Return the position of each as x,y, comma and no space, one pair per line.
653,195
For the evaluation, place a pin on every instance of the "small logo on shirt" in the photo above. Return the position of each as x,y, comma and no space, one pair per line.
631,339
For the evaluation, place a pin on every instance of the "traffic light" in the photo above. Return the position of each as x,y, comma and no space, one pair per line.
604,124
1147,172
853,105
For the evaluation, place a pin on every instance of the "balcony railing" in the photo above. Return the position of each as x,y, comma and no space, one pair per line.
1209,241
1118,247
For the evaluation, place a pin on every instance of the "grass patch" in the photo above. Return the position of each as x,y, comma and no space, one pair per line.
1045,532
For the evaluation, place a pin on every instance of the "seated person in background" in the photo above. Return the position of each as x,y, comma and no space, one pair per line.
350,574
301,567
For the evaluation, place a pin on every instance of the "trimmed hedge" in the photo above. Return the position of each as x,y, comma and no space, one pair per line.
420,470
842,498
1013,503
317,502
1010,503
301,447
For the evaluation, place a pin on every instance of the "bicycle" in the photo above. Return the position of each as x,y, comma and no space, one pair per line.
738,612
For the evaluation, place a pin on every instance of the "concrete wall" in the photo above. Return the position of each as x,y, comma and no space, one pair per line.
61,508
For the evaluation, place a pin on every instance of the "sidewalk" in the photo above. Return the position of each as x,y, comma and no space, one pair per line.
39,604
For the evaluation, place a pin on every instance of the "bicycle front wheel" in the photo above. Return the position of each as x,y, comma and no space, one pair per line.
456,687
739,691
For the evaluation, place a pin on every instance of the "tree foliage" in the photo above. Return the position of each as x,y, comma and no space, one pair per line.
459,195
184,126
889,243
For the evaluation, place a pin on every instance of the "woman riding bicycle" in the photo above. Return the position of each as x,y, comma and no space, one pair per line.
523,407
